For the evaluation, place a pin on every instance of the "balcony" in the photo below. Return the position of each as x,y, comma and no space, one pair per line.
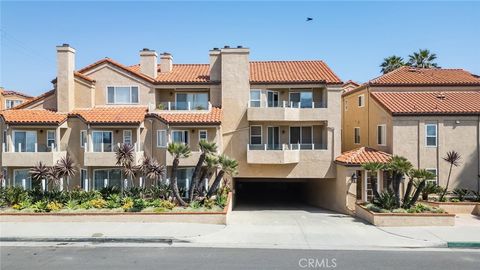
192,160
103,155
184,106
16,157
287,111
279,154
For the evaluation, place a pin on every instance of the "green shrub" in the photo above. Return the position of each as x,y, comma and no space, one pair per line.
72,204
455,200
167,204
373,207
461,193
209,203
114,201
134,192
222,199
385,200
127,204
98,203
195,204
161,191
476,195
138,205
107,191
15,195
40,206
399,210
439,193
54,206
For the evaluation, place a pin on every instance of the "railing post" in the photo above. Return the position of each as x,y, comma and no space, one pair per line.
52,146
313,146
265,147
101,147
44,185
24,184
169,106
85,184
3,147
85,147
248,147
125,183
313,105
19,147
35,147
61,184
141,181
298,146
299,104
284,103
105,182
189,106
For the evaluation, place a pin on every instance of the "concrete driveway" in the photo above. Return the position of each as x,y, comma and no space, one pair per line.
304,227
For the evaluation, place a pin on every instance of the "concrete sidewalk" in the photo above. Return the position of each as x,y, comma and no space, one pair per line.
285,229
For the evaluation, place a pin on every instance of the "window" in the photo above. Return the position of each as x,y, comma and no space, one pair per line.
50,139
356,135
431,135
122,94
301,99
10,103
180,136
202,135
83,138
302,136
107,177
361,101
255,134
184,178
161,138
24,141
83,177
255,98
434,171
192,101
272,98
381,134
102,141
127,137
22,178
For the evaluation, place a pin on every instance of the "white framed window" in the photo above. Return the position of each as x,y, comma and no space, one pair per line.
50,138
434,171
255,98
431,135
356,135
10,103
382,135
161,138
83,138
272,98
127,137
180,136
202,135
122,94
102,141
107,177
255,134
361,100
24,141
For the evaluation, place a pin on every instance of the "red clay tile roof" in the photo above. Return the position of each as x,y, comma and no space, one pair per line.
408,76
80,75
359,156
39,116
111,115
35,99
260,72
13,93
406,103
112,62
292,72
213,117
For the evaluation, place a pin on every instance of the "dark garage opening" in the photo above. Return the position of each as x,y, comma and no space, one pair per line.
268,195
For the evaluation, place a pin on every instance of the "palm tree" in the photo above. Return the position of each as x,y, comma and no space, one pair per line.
391,63
178,151
453,158
373,168
422,59
39,172
152,169
211,164
228,166
422,176
398,167
65,167
125,155
206,148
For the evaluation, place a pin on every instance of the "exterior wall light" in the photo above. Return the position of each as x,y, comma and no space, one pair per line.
354,178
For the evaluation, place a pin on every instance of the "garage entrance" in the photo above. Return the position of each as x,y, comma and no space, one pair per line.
268,194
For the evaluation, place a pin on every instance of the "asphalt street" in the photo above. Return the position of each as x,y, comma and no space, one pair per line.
114,257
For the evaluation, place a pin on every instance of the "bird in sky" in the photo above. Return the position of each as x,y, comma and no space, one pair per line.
309,19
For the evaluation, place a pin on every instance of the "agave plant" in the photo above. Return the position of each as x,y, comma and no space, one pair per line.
66,168
178,151
453,158
124,154
228,166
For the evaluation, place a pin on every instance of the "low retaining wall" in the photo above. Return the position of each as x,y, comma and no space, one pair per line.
181,217
458,207
404,219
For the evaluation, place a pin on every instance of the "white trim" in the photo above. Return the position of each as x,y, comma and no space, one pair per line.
54,138
278,98
158,136
259,98
199,135
131,136
384,135
362,99
359,136
261,134
436,135
115,86
82,144
13,105
102,147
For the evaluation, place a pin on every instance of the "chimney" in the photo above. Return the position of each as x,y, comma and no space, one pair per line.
215,65
65,78
166,62
148,62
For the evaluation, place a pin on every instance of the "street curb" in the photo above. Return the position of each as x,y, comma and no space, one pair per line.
463,244
168,241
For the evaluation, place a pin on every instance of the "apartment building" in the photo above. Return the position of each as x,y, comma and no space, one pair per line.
420,114
10,99
280,119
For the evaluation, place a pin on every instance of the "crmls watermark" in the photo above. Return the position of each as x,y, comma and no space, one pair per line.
316,263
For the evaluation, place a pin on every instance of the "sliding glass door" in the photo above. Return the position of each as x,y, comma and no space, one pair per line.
273,140
301,136
24,141
102,141
111,177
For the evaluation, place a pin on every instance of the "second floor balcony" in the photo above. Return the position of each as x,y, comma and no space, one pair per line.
279,153
287,111
183,106
30,154
103,154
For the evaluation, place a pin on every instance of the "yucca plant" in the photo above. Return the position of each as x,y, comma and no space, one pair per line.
206,148
178,151
228,166
453,158
66,168
385,200
39,172
152,170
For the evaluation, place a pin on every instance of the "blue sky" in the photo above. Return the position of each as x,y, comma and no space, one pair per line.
352,37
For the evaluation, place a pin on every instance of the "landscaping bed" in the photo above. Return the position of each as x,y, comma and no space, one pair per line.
424,216
458,207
